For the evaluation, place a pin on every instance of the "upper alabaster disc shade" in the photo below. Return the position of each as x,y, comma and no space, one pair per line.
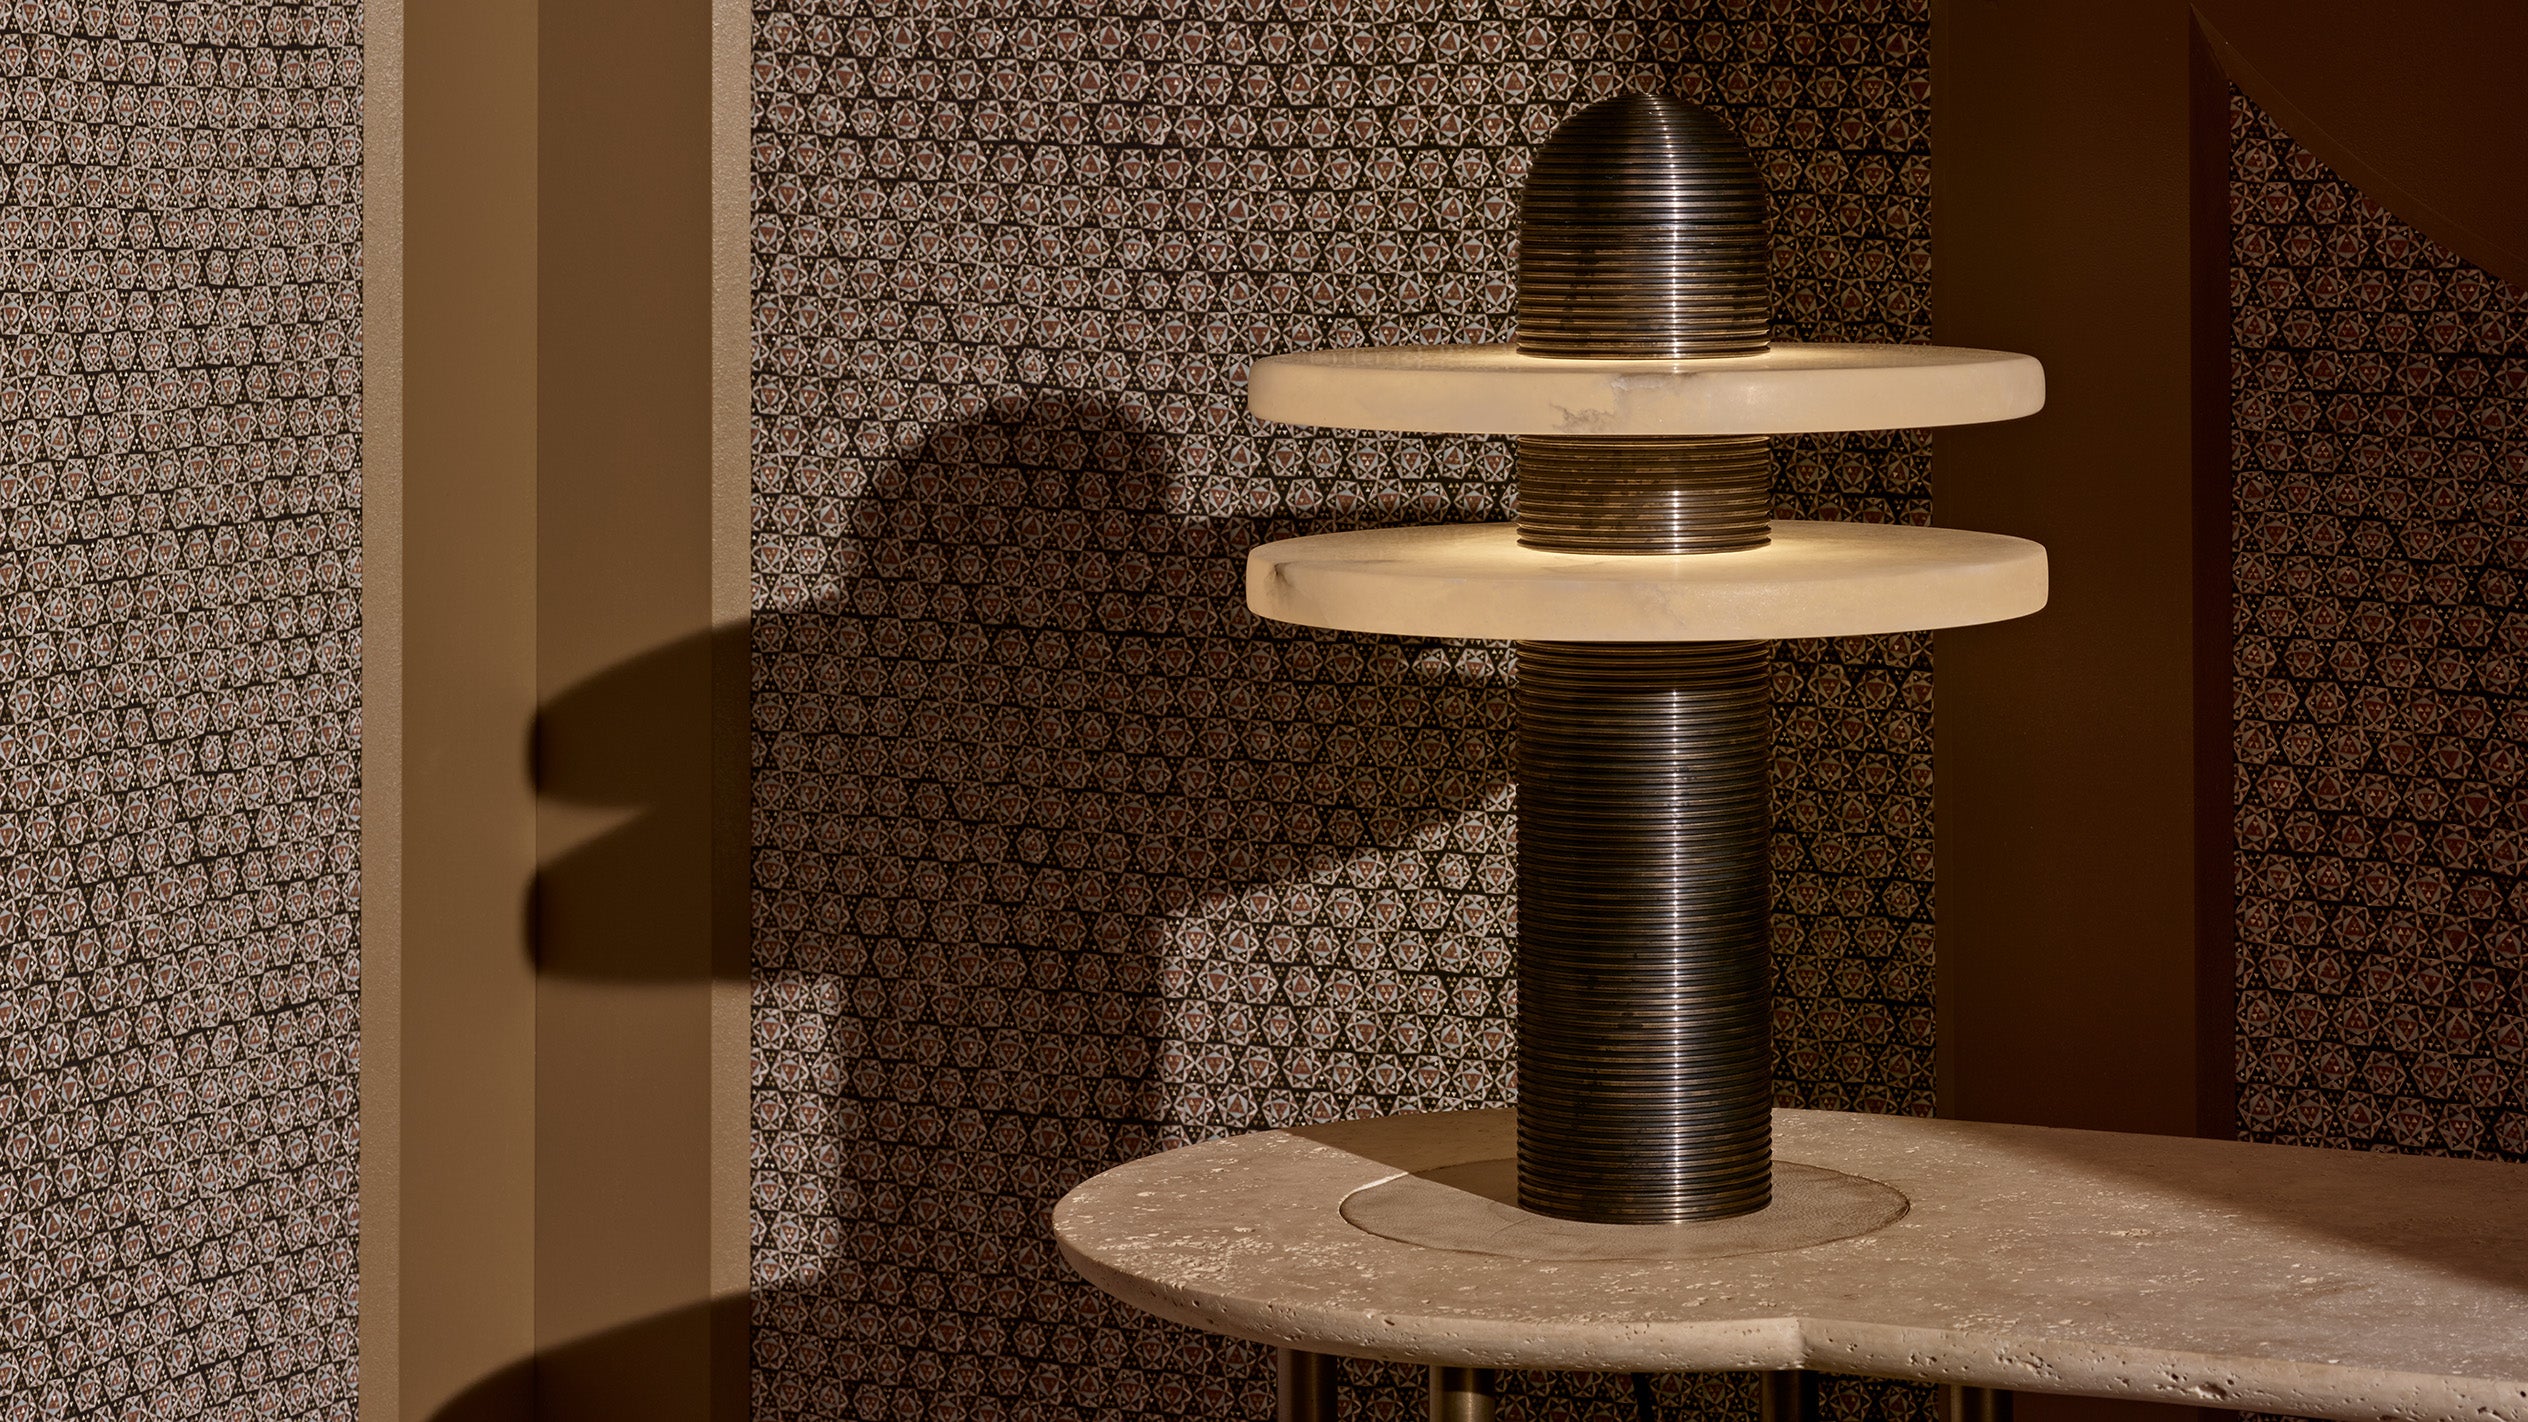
1790,389
1812,580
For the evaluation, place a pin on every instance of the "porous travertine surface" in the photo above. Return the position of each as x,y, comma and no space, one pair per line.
2323,1283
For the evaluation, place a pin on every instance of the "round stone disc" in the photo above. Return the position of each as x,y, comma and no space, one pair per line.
2309,1283
1473,1208
1790,389
1812,580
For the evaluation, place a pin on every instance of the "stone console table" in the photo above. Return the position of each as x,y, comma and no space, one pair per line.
1673,1220
2321,1283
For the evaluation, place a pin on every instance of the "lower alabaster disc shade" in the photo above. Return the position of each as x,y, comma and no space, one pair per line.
2314,1283
1790,389
1812,580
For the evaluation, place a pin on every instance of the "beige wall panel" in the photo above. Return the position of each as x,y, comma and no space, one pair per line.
465,1287
631,745
555,1109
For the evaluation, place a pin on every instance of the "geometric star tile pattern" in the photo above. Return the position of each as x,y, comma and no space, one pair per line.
179,709
1060,855
2380,541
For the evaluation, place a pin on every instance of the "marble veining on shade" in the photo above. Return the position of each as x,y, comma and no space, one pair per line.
1790,389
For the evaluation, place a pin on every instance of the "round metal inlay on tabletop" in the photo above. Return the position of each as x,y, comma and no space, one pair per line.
1473,1208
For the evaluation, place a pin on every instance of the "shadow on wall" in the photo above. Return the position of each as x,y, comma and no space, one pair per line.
1029,730
613,1373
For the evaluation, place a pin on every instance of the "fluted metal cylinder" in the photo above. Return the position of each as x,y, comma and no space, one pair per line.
1960,1403
1644,1032
1645,495
1463,1395
1642,235
1308,1385
1644,1036
1790,1396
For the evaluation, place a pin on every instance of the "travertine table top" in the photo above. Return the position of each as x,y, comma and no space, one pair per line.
2322,1283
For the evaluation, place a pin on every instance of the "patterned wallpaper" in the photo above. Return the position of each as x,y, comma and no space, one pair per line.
2380,539
1061,856
179,708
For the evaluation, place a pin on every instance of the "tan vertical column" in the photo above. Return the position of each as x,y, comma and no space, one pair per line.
382,708
555,1022
732,595
2083,954
640,901
448,995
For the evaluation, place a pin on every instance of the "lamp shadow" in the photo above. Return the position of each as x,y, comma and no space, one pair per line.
942,733
1026,731
641,1369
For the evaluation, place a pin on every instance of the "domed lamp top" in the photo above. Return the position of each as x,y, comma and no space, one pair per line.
1642,236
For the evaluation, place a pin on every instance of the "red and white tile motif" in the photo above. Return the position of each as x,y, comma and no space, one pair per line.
179,708
2380,539
1061,856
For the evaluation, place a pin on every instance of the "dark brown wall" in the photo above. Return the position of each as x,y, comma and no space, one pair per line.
2418,106
556,1160
2269,705
2084,214
2083,870
2070,860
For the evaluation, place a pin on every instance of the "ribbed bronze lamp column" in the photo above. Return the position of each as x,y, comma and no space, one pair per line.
1644,1027
1636,584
